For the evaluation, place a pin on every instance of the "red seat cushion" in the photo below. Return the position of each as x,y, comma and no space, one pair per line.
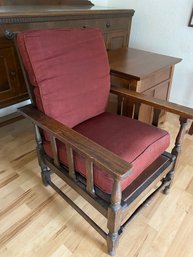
69,70
134,141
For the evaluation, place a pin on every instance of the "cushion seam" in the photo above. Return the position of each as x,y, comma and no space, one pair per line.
148,147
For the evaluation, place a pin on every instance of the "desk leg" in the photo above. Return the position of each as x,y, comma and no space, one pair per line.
125,107
190,132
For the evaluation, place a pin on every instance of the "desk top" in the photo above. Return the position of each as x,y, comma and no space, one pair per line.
138,64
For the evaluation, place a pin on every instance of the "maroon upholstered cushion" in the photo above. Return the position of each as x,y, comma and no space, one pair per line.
134,141
70,69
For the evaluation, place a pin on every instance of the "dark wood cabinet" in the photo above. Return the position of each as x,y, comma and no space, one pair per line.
115,25
12,88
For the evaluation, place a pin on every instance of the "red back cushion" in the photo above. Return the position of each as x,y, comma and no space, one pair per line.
70,70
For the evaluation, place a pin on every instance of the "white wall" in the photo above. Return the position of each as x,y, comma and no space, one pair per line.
100,2
161,26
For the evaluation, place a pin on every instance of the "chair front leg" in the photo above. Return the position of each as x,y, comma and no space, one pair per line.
176,151
114,218
45,171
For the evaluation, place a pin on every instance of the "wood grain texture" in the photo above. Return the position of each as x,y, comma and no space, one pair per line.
23,11
45,2
35,221
70,159
138,64
90,177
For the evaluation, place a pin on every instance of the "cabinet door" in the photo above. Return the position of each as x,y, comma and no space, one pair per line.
11,89
117,39
8,74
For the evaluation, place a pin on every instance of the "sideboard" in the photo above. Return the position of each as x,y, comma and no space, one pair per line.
115,25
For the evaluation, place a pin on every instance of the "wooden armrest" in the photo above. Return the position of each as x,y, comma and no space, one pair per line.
180,110
103,158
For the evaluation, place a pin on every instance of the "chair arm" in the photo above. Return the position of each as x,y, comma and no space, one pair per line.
103,158
180,110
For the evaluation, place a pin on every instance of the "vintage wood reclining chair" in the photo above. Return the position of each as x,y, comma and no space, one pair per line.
112,161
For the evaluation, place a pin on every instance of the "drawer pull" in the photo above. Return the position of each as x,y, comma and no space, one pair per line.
8,34
12,73
108,25
85,26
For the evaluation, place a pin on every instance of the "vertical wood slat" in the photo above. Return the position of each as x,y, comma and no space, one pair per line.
89,177
136,111
156,114
120,105
54,150
70,159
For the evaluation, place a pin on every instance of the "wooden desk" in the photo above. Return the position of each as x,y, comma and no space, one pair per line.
141,71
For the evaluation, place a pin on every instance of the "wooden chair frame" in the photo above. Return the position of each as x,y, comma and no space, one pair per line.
114,207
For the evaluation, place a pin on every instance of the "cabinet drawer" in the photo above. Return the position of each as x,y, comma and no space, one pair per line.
155,79
117,39
107,24
113,24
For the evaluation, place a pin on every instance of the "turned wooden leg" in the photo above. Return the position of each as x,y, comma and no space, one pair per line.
112,243
114,223
45,174
45,171
114,219
176,151
169,177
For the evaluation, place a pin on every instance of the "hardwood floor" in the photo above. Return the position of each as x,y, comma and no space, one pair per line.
36,222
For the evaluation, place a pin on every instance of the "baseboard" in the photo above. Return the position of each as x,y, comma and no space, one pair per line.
10,118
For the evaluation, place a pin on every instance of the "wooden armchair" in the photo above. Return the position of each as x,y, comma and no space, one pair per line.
112,161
